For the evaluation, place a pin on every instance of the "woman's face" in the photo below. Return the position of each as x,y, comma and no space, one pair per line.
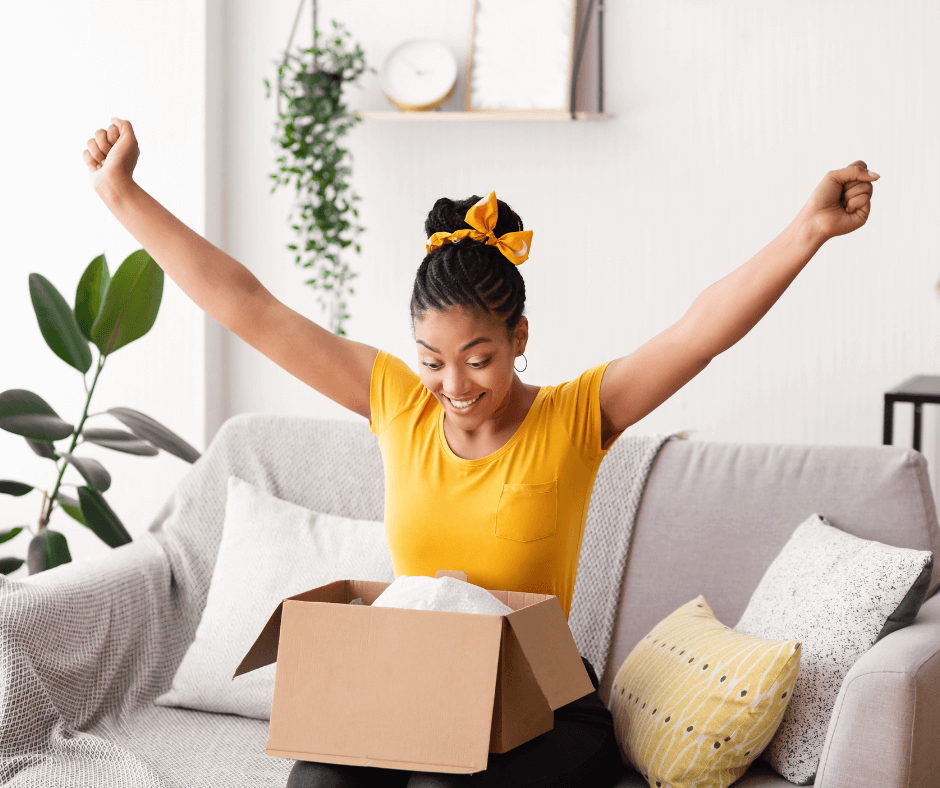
466,360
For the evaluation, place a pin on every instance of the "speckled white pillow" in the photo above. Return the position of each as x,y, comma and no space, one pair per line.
837,594
270,549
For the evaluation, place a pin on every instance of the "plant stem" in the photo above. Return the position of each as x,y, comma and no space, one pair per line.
43,521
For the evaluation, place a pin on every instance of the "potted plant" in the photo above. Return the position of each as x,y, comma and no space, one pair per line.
310,131
109,313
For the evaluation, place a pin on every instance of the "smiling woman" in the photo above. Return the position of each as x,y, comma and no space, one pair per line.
483,472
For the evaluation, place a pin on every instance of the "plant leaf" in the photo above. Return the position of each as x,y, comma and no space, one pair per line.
42,448
48,549
14,488
6,536
90,293
27,414
131,303
8,565
92,470
58,324
119,440
101,518
150,430
71,507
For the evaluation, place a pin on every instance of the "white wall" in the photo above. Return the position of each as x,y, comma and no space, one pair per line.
67,70
727,115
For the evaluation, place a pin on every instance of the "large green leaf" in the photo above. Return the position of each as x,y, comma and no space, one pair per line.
9,487
6,536
92,470
131,303
58,324
100,517
151,430
27,414
47,550
70,506
10,564
43,449
90,293
119,440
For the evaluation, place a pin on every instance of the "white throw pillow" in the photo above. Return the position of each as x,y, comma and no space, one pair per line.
270,549
837,594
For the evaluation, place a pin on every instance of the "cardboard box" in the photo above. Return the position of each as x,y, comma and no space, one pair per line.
424,690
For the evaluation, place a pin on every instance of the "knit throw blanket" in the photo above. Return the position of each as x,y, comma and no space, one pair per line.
605,546
86,647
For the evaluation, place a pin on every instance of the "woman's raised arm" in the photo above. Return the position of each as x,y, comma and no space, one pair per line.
221,286
723,313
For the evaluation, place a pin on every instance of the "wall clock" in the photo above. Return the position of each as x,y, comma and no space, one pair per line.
419,75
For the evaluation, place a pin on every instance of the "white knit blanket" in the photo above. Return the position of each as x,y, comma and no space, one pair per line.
86,647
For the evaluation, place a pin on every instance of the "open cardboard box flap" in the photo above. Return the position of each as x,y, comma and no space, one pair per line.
413,689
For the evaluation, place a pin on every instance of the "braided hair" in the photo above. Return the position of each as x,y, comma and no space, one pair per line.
469,273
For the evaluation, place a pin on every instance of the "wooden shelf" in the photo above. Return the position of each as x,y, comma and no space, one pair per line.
549,114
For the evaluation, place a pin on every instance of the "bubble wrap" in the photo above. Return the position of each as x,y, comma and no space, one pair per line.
86,647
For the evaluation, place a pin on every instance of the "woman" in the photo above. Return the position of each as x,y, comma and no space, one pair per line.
482,472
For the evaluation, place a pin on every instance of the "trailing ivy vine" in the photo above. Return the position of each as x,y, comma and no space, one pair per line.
310,131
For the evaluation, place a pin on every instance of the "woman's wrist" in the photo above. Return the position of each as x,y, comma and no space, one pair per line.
808,231
114,189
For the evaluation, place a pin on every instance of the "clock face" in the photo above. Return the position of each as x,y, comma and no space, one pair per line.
419,74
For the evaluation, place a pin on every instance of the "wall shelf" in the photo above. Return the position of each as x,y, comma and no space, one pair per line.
514,114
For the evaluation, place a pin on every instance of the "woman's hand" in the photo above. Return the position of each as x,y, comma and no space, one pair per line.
841,202
112,154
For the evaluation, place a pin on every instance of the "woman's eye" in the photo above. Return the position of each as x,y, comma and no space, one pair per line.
478,364
431,366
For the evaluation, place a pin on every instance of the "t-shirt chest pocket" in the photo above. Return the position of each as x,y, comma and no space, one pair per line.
527,512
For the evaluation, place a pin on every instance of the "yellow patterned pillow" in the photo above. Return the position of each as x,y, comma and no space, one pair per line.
696,702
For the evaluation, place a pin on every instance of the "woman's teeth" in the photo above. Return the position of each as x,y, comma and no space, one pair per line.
461,404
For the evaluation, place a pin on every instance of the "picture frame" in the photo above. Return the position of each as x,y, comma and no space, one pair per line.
521,53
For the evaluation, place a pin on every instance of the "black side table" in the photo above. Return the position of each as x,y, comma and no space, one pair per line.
918,389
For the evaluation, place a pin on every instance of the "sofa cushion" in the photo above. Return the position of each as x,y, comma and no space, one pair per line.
270,549
695,703
714,516
838,594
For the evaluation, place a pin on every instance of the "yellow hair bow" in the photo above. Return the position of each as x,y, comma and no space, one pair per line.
482,217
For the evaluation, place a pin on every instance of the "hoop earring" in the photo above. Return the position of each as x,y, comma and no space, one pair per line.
526,364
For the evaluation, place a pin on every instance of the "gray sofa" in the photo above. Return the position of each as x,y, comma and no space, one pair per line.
85,648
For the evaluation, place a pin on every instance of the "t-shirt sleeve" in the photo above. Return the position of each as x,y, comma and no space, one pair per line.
393,389
578,404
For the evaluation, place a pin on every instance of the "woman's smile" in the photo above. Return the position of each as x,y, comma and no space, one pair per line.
464,404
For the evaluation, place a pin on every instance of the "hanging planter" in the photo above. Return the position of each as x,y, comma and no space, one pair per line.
310,129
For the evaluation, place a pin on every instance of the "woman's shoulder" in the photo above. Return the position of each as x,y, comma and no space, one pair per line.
395,389
392,366
576,404
584,384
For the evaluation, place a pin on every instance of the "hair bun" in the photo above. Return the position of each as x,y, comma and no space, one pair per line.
447,216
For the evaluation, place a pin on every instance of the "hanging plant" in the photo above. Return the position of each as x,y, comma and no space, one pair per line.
310,131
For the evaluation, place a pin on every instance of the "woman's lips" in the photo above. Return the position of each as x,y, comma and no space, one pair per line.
468,403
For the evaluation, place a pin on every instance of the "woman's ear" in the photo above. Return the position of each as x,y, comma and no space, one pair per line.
521,335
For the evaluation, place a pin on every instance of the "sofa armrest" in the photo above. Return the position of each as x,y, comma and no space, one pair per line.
884,725
83,640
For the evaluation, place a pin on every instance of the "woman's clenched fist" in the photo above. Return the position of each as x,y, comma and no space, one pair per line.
112,153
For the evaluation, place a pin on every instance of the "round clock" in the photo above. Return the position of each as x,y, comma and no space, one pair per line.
419,75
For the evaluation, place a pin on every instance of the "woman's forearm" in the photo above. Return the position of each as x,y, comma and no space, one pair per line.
725,311
216,282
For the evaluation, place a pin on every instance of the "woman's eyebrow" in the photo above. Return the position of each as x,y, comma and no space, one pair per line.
473,342
469,345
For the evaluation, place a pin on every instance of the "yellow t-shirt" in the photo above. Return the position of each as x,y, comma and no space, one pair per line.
512,520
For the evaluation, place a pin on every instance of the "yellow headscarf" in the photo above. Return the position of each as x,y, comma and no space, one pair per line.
482,217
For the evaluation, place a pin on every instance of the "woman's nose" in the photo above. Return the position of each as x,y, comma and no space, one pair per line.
456,383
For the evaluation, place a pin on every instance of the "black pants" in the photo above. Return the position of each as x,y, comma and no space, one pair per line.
580,751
